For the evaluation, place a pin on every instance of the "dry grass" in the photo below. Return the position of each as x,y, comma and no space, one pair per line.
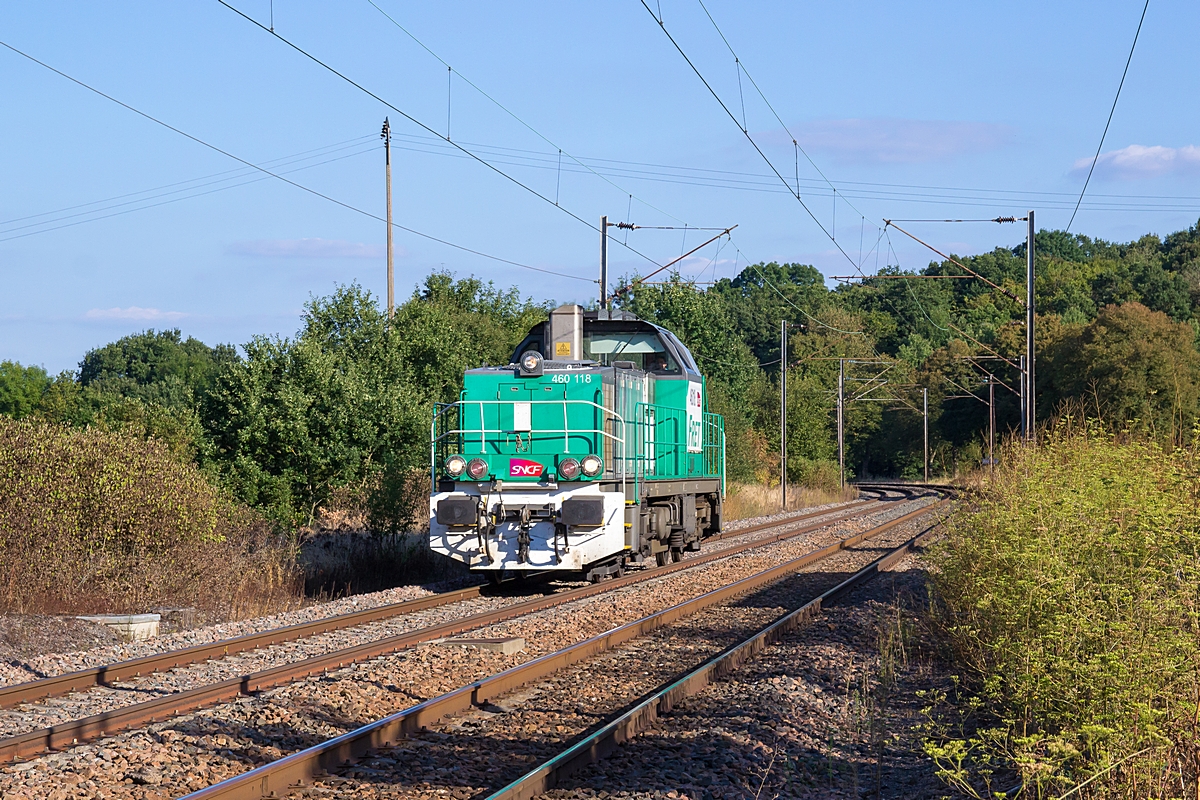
745,500
96,521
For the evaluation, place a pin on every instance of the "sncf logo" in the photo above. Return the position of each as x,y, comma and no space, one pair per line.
523,468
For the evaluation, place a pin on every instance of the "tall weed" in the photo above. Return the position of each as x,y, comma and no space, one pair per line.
102,521
1069,594
746,500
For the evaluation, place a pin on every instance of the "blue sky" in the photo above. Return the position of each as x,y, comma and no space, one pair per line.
911,110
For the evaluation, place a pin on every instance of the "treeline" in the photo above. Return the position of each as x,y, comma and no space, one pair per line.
337,416
1116,340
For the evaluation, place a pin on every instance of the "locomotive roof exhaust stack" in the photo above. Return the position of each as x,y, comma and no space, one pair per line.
565,340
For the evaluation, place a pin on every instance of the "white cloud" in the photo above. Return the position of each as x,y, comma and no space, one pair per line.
134,313
305,248
900,141
1139,161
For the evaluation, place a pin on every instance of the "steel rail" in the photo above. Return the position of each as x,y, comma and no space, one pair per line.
642,716
274,778
96,726
91,677
160,662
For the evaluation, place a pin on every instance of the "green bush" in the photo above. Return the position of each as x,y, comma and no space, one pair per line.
1070,596
95,521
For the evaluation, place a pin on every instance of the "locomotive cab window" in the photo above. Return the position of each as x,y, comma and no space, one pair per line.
644,348
685,355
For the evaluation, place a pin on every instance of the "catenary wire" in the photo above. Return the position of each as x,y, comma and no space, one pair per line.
783,180
229,172
512,114
1111,111
430,130
191,189
314,192
749,138
779,119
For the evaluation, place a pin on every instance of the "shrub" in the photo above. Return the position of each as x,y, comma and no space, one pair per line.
102,521
1070,596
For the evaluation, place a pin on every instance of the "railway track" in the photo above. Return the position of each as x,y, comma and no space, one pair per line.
80,680
388,741
135,714
592,748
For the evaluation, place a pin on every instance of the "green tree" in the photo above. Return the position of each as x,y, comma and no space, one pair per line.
343,409
1130,364
155,367
21,389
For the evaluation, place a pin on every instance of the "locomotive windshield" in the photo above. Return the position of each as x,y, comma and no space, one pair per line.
606,340
645,349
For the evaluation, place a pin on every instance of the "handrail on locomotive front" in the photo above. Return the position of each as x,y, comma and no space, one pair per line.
482,431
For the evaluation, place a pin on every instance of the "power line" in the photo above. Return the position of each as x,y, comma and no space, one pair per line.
153,205
265,171
746,133
512,114
750,181
779,119
1111,111
230,172
428,129
1007,192
149,205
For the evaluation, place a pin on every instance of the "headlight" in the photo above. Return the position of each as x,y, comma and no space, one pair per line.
455,466
531,363
592,466
568,468
477,468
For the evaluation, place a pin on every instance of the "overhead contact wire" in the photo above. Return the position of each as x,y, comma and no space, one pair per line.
749,138
782,124
1111,111
428,129
265,171
512,114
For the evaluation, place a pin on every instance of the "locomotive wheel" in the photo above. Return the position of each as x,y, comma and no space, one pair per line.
495,577
677,554
660,558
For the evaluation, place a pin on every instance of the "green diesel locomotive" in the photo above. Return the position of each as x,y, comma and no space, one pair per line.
591,451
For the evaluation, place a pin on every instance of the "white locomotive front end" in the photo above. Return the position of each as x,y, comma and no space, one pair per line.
527,527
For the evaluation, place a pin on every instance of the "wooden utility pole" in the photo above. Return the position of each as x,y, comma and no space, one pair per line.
1030,383
841,438
783,411
386,135
925,398
604,262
